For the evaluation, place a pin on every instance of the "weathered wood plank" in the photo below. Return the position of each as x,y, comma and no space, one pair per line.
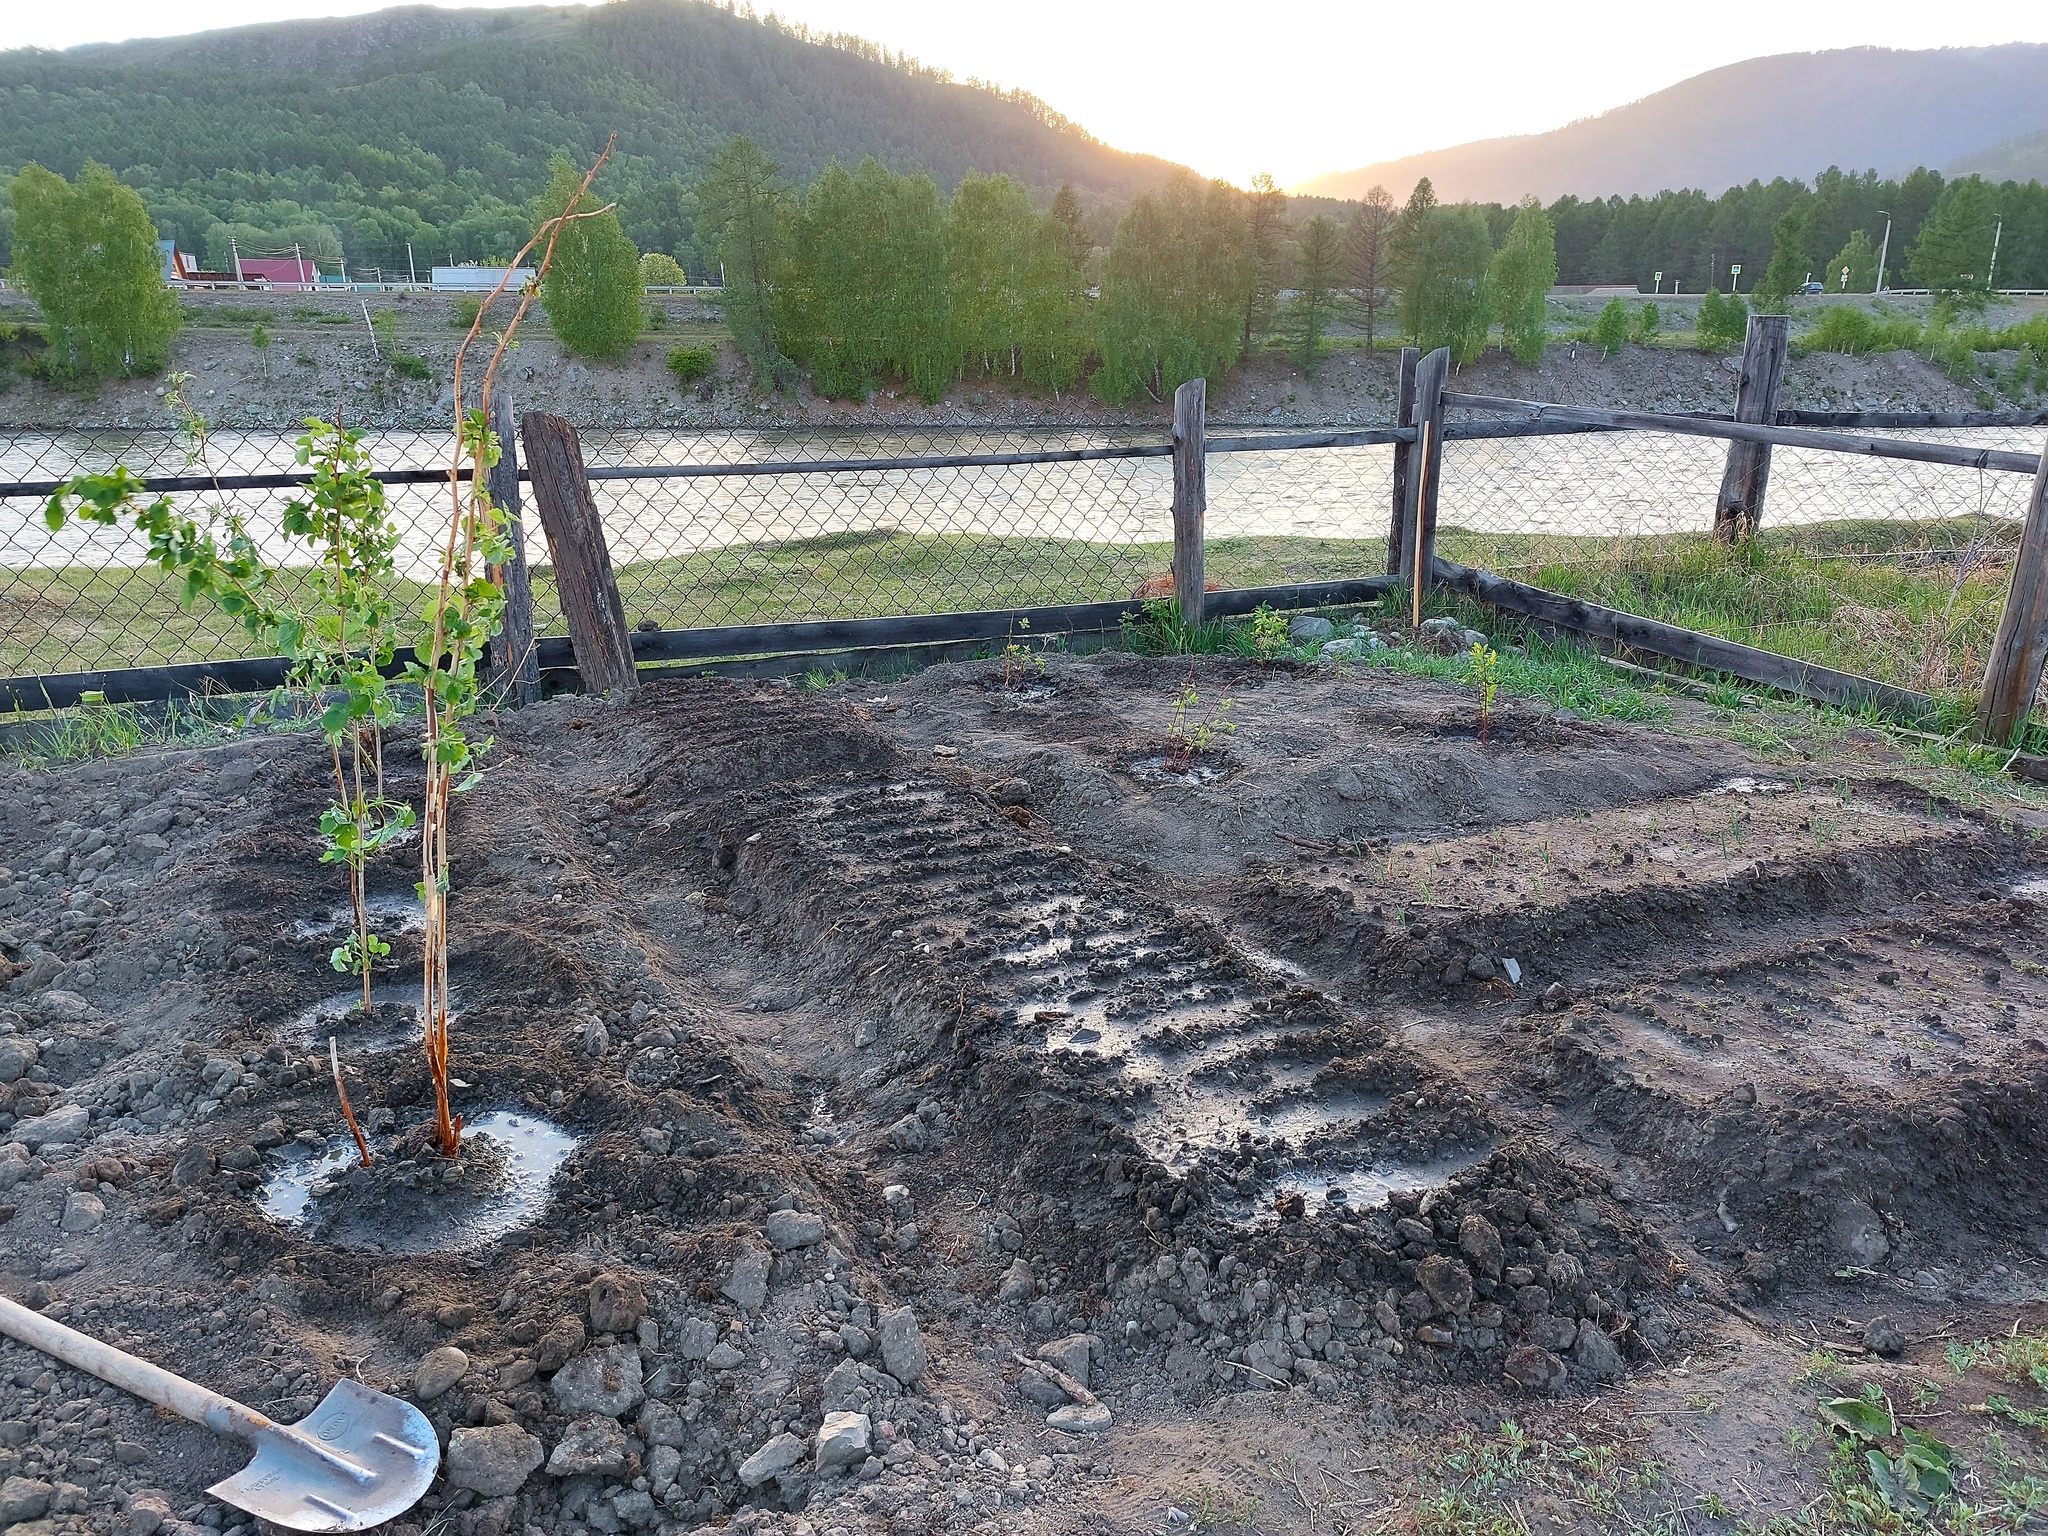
1404,453
1190,496
2013,675
1425,468
1739,510
1786,437
1807,679
510,671
584,583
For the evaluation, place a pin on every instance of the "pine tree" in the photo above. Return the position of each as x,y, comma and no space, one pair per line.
1318,256
1266,208
1953,254
86,253
742,214
1524,271
592,287
1066,208
1788,268
1366,256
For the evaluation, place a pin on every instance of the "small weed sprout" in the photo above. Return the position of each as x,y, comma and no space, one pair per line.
1020,662
1191,734
1485,667
1269,632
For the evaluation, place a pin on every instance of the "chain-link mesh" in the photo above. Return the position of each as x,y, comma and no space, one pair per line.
1890,568
1297,515
688,552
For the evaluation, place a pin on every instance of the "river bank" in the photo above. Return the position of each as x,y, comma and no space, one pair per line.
320,358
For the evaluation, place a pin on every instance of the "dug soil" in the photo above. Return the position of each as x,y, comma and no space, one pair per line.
832,1059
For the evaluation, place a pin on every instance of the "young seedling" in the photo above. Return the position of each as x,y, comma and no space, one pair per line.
1486,678
1269,632
347,1111
1189,733
1019,660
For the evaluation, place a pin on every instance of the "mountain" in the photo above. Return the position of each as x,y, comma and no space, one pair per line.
2022,159
1789,115
436,125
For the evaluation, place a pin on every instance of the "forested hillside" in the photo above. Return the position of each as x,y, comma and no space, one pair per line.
353,136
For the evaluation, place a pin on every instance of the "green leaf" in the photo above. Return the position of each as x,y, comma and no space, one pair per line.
1866,1420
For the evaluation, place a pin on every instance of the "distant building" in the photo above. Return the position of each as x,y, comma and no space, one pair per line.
468,279
288,272
181,270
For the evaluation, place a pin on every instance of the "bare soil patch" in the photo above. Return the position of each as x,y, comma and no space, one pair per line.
1316,1113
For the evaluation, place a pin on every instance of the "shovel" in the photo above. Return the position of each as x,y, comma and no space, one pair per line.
359,1459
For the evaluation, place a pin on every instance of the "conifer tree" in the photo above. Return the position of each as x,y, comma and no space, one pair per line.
1266,208
1367,257
1318,256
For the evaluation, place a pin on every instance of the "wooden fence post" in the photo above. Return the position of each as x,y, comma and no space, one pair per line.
1425,467
1190,496
2021,646
511,667
1740,510
1404,409
588,591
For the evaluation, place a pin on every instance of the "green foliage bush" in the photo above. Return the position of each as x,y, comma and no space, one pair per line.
689,364
85,251
411,365
658,269
1523,272
1649,321
592,287
1723,320
467,307
1610,331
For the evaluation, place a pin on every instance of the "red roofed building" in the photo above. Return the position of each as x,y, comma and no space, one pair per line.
281,271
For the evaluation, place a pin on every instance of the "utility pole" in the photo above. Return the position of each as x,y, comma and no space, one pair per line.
1883,251
1991,272
235,250
411,271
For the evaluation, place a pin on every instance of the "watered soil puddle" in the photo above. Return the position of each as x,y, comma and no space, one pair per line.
421,1204
393,1019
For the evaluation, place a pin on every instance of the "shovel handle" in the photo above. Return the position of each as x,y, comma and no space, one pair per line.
151,1383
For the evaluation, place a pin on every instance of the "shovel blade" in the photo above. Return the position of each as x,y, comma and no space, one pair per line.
390,1451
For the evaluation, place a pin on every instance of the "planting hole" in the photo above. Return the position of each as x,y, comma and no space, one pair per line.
413,1201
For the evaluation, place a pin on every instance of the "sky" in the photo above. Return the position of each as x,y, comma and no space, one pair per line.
1290,87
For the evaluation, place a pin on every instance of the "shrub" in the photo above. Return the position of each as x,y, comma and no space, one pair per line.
411,364
658,269
467,307
1723,319
689,364
1649,321
1611,329
1856,331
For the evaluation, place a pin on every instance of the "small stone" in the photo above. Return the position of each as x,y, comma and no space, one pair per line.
17,1055
903,1354
777,1456
1019,1284
60,1127
696,1338
24,1498
1070,1354
617,1303
1856,1231
1479,1240
844,1440
145,1515
747,1286
590,1446
1596,1355
725,1356
83,1211
600,1381
1079,1419
560,1343
437,1371
1882,1336
1310,629
1447,1281
792,1229
493,1461
1537,1369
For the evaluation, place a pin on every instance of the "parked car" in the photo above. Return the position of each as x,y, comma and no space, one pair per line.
1813,287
